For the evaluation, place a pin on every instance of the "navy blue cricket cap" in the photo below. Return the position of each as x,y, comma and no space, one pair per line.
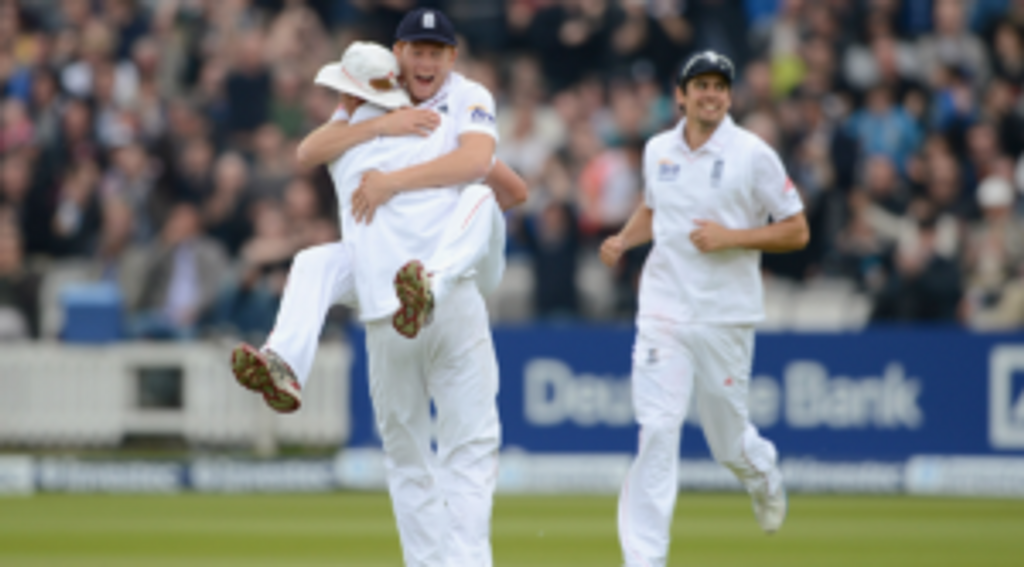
707,62
425,24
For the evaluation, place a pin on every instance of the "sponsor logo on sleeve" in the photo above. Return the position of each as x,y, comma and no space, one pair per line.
480,115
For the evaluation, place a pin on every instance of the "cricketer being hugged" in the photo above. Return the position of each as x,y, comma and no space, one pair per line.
715,197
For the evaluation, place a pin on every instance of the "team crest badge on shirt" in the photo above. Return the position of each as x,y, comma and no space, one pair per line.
716,172
480,114
652,356
443,109
667,170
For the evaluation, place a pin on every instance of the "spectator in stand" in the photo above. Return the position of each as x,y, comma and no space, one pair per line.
97,49
131,178
954,106
530,131
75,141
306,215
952,45
272,163
248,89
924,286
754,93
944,187
1000,110
861,251
574,36
224,213
16,195
174,281
286,110
884,128
983,152
718,25
642,35
249,305
19,287
888,199
1008,48
45,107
115,240
609,183
16,128
76,218
129,24
884,59
553,242
994,297
193,179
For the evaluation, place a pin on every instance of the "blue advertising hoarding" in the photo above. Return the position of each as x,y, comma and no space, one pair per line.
877,395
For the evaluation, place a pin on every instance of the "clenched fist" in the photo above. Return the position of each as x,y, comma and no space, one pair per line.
612,250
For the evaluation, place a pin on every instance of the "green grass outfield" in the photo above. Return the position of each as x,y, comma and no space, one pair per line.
356,529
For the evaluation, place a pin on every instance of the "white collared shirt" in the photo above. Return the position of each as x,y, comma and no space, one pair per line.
735,180
409,226
469,105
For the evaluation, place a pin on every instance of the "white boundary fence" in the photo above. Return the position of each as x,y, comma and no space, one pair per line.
55,394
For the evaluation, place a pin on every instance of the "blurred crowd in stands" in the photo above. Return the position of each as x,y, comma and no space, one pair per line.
151,144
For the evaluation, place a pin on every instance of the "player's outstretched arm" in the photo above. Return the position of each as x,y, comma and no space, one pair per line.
509,189
330,141
787,235
638,230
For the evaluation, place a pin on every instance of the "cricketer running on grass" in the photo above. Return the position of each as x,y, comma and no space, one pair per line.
426,51
710,188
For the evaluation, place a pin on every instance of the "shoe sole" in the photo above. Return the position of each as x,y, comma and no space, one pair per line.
252,371
411,288
785,512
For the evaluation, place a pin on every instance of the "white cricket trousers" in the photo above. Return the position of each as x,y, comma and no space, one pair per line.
320,277
671,362
472,245
442,501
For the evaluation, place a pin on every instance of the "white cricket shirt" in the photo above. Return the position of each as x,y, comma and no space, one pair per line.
734,179
409,226
469,106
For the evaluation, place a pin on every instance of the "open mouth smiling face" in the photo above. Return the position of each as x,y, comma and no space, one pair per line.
425,66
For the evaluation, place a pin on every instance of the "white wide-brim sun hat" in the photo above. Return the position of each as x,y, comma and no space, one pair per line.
368,71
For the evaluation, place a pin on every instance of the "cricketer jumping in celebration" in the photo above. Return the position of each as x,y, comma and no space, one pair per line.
710,188
441,499
426,51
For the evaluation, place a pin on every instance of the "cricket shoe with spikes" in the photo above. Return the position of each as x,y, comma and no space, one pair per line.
263,371
412,285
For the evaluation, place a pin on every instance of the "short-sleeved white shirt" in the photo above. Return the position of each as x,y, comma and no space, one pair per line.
408,226
734,179
469,105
